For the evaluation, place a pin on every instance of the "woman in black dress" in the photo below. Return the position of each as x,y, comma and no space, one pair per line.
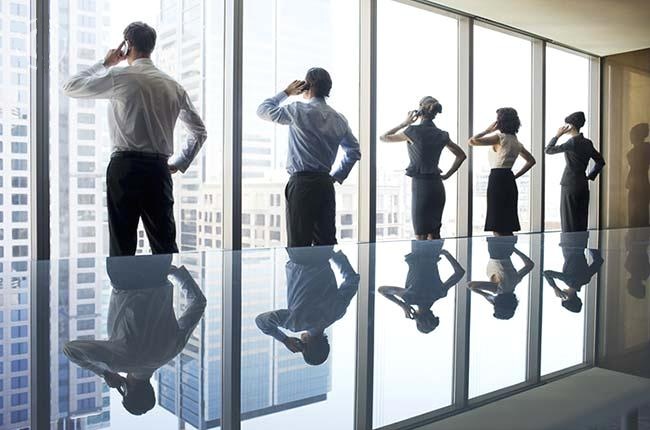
578,150
423,284
425,144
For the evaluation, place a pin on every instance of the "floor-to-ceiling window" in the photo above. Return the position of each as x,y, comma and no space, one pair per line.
282,40
16,175
567,91
502,78
417,56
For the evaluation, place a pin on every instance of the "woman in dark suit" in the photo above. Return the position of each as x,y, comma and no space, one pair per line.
578,150
425,144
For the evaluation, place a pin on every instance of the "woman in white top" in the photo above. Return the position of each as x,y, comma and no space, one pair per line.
502,193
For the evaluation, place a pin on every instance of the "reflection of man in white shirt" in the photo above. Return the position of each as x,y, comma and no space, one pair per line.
144,106
143,331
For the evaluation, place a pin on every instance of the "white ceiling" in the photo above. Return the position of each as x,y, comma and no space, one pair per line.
601,27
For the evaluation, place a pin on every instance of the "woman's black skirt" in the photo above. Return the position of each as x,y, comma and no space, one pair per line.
502,196
428,201
574,206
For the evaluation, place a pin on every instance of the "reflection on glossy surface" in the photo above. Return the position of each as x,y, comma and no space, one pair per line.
431,349
314,301
637,262
143,332
576,272
502,275
423,286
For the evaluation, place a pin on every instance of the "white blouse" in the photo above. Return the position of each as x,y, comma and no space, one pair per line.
505,154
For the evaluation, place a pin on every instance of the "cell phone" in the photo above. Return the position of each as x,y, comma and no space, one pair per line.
125,48
305,87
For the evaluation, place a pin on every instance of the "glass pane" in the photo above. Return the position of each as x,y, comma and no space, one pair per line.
502,78
80,147
416,57
499,313
15,129
567,91
281,42
413,359
569,266
307,294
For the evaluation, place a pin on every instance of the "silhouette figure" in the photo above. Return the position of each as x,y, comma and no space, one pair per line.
423,286
314,301
143,332
503,276
637,261
578,150
425,144
576,272
637,184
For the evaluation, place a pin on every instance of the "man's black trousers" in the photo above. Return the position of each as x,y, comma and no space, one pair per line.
139,185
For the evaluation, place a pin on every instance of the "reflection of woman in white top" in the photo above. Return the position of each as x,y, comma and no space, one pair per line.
503,276
502,193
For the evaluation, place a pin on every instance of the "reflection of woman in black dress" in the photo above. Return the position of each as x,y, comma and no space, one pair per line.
425,144
578,150
576,272
423,284
503,276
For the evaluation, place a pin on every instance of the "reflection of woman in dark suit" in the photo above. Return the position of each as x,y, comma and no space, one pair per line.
503,276
578,150
423,284
576,272
425,144
638,186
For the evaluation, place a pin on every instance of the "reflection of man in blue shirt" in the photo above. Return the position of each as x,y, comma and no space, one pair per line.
316,131
314,301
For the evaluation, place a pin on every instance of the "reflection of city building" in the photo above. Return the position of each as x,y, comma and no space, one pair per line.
80,399
272,378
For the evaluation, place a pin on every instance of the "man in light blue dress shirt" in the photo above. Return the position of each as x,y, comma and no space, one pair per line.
316,131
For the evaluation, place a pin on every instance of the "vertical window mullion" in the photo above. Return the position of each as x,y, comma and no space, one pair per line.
368,121
538,112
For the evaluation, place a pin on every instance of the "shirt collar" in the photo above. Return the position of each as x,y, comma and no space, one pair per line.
317,100
142,61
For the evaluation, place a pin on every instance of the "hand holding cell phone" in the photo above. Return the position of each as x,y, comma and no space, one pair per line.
115,56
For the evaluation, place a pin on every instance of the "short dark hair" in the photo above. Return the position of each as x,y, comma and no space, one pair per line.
316,351
426,322
508,120
140,36
429,107
573,304
576,119
140,398
505,305
319,81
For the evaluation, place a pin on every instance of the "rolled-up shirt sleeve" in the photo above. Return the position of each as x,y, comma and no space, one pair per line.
270,109
269,323
95,82
351,154
197,134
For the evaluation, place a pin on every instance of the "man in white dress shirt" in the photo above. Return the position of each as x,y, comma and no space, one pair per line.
144,106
